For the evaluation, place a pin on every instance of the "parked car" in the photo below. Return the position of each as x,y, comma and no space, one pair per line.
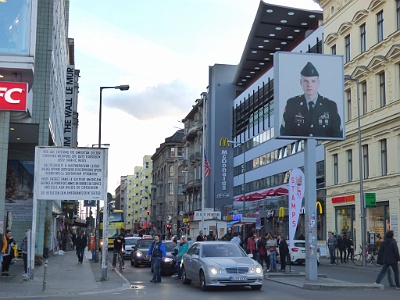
298,252
217,264
168,263
139,252
130,242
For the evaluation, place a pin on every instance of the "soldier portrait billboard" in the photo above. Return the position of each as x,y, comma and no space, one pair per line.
308,93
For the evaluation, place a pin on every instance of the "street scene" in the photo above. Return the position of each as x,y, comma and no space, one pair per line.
202,148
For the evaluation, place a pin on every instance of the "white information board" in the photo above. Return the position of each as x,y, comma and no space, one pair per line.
70,173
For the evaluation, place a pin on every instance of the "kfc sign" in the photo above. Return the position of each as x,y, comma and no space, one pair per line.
13,95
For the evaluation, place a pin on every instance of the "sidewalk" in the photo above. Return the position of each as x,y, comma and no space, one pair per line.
65,276
323,282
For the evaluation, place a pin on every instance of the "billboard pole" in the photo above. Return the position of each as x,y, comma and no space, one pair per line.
310,209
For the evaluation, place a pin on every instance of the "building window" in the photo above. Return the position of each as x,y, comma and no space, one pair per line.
398,13
348,101
382,91
333,49
335,169
379,19
363,38
171,171
170,188
347,48
366,161
384,157
349,165
364,97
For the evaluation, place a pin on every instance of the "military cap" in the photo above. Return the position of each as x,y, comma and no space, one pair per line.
309,70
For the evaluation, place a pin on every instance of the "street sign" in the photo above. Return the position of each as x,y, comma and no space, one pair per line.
370,199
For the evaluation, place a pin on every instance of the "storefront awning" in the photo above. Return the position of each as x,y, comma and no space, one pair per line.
231,223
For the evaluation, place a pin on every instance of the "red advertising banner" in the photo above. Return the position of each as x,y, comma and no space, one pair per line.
13,95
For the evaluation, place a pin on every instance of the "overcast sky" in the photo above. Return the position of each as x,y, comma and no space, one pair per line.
162,49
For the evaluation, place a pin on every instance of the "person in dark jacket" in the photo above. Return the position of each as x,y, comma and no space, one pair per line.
80,244
157,252
283,252
390,256
342,242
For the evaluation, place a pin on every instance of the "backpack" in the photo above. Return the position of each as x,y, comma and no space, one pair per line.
1,241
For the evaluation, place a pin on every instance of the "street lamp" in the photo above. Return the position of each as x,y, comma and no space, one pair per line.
240,145
362,201
104,248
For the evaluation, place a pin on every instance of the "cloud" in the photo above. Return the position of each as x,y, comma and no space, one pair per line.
164,99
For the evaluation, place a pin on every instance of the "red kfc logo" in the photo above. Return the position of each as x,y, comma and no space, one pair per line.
13,95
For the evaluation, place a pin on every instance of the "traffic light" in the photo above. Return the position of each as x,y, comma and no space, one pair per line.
148,212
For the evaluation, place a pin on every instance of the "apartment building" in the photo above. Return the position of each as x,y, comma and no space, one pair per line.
363,172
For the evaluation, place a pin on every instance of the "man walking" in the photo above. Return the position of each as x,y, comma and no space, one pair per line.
157,252
80,244
389,256
332,243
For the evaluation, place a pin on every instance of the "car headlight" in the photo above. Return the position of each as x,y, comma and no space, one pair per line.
167,259
257,270
139,254
213,270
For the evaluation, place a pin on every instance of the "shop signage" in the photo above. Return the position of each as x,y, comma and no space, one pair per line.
342,199
370,199
13,95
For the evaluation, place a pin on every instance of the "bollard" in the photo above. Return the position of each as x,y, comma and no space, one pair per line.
45,277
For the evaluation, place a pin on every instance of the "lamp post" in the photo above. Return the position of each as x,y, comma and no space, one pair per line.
241,146
104,248
361,175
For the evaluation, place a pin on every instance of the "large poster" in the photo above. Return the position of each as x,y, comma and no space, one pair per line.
309,91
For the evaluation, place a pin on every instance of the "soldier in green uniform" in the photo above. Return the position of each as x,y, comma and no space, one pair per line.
311,114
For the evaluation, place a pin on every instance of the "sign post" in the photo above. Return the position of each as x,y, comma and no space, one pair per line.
63,173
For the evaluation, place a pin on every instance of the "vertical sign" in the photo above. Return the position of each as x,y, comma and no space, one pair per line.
69,107
296,194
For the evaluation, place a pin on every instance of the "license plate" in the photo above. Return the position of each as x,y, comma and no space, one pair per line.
238,278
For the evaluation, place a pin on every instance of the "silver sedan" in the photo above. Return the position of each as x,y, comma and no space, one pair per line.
215,264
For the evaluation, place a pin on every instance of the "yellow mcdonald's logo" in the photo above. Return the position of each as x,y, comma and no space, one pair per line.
281,212
319,207
224,142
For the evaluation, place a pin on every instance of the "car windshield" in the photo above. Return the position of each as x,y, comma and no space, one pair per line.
144,243
222,250
131,241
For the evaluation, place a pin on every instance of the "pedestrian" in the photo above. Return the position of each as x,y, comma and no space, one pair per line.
3,246
350,248
200,237
175,255
8,254
311,114
261,250
332,243
236,239
157,252
69,241
341,244
80,244
283,253
250,245
210,236
24,248
183,248
272,250
228,235
389,256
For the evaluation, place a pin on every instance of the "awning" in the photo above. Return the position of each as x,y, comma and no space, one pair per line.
231,223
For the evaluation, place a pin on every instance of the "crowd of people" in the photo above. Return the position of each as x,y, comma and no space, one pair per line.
343,244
